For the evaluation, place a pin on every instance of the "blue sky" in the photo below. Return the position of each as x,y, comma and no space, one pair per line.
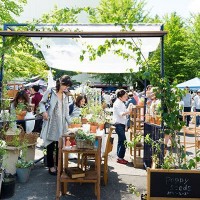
35,8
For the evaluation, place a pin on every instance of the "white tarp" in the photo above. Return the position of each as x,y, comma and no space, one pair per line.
64,53
193,84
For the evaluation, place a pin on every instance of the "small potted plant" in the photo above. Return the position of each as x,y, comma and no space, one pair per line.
93,123
84,113
84,139
76,122
21,110
23,170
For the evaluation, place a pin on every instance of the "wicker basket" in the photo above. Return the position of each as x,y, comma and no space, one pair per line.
84,144
31,138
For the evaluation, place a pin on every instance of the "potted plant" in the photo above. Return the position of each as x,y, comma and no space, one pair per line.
23,170
84,113
8,186
23,166
84,139
21,110
76,122
93,123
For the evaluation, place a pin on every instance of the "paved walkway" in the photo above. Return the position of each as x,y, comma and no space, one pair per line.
42,186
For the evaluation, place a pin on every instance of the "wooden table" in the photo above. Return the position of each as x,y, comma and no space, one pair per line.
91,176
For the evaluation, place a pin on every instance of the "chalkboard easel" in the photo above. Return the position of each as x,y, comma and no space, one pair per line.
173,184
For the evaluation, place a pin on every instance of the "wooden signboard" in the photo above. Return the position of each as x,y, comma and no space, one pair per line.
173,184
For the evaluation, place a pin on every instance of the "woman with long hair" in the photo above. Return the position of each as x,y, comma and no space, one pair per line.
55,111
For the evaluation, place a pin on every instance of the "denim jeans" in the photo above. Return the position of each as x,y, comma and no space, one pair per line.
198,118
187,109
121,149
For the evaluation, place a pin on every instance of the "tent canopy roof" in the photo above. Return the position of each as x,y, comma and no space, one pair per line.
193,84
62,50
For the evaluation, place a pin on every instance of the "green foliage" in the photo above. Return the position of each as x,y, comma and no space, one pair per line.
24,164
10,8
134,141
132,189
94,119
76,120
21,107
2,148
84,111
81,135
59,16
180,52
119,12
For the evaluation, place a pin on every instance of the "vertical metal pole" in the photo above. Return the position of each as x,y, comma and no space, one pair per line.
162,73
2,70
162,56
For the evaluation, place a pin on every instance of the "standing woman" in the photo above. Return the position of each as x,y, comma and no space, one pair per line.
54,118
120,114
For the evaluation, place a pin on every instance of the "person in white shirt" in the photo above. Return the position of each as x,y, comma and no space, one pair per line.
187,99
120,119
107,99
197,107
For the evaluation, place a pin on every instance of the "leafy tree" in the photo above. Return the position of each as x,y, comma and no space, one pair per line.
21,59
175,45
8,8
59,16
192,60
120,12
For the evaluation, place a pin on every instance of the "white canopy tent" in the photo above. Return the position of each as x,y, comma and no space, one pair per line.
64,53
193,84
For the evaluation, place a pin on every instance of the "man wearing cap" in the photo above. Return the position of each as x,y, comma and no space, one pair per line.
197,107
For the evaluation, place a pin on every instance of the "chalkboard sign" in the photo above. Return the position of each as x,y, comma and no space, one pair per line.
173,184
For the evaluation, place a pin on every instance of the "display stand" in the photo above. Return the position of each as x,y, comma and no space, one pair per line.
192,131
136,128
91,176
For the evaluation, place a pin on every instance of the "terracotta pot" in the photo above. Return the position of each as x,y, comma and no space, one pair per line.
93,128
21,115
75,125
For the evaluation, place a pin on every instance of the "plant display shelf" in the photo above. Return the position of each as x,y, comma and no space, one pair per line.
137,127
195,131
92,176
